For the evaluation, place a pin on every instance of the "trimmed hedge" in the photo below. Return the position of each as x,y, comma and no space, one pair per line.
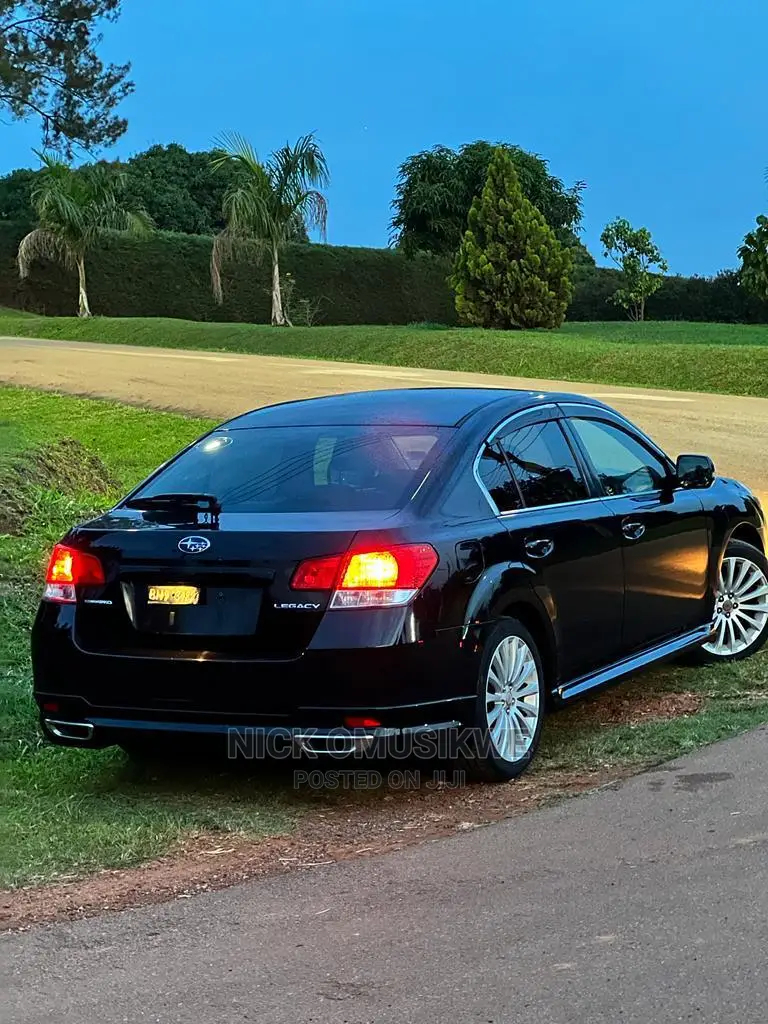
719,299
168,276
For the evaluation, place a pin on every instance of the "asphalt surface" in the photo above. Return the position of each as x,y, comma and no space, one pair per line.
644,902
733,430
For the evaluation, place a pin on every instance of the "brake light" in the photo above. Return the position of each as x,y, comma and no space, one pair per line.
69,568
363,579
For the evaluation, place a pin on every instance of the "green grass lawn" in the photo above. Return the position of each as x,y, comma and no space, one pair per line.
73,811
69,812
725,358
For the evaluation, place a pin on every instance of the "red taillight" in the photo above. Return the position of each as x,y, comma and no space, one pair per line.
69,568
352,722
389,576
317,573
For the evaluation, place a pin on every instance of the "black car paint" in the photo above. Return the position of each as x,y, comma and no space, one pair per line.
411,666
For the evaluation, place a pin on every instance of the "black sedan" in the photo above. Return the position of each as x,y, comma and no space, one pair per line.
395,564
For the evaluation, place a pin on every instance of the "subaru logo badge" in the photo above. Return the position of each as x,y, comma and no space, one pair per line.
194,545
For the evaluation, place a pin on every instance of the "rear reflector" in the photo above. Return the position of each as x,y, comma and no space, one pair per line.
365,579
69,568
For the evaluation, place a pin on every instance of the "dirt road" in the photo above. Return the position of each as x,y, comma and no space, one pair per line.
733,430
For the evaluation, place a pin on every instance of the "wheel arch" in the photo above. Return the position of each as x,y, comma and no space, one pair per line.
507,592
749,534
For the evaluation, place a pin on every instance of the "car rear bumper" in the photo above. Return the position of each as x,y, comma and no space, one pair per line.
88,699
430,739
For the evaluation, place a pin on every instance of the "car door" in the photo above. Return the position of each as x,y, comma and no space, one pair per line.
562,534
663,530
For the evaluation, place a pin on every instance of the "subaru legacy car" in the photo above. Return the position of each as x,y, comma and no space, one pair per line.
395,564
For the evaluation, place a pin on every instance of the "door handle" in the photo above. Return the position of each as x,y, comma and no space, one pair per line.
539,547
632,529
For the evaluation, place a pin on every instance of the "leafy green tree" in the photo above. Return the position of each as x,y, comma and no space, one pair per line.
436,188
49,68
180,190
635,254
267,204
74,209
16,197
754,259
510,271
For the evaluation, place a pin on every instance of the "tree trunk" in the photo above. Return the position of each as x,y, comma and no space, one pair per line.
642,309
279,319
83,309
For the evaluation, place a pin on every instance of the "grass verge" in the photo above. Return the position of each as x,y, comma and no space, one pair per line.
722,358
65,812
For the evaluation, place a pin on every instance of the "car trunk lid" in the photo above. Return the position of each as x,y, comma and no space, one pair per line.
220,590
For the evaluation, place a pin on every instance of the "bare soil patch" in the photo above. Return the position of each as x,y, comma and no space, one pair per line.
625,707
363,825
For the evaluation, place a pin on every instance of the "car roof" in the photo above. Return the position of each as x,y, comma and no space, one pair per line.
433,407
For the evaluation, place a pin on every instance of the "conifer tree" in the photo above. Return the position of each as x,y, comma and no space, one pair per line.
510,271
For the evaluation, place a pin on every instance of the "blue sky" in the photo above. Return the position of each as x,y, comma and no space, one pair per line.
659,106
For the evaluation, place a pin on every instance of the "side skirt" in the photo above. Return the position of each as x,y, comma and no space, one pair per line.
628,666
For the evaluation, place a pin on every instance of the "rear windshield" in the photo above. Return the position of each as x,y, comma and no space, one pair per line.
304,469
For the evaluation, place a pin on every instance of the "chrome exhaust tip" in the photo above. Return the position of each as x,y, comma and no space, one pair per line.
338,742
82,731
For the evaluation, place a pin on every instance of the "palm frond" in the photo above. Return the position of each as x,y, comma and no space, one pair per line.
312,206
42,244
226,246
249,208
232,146
222,250
109,215
303,165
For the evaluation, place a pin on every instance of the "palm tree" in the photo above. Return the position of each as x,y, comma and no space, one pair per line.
74,208
268,203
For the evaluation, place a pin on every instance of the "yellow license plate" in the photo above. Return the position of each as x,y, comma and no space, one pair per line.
177,594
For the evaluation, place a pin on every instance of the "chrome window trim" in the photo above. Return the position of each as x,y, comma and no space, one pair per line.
561,504
515,415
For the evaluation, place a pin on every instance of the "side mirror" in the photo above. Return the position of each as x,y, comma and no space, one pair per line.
695,471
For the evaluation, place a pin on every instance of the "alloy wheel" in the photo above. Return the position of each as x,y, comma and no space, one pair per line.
741,608
512,698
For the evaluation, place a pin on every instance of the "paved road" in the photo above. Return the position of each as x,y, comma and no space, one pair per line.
733,430
642,904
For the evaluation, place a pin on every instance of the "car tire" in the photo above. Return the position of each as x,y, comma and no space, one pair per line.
509,711
741,612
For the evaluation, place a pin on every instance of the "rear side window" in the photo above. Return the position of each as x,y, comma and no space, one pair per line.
493,471
543,465
305,469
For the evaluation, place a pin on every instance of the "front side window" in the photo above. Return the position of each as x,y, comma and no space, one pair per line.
543,464
304,469
622,463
